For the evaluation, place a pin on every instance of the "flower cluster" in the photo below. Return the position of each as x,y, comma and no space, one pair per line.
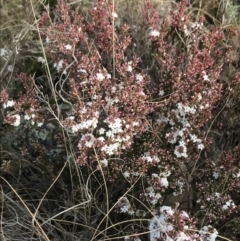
124,206
172,225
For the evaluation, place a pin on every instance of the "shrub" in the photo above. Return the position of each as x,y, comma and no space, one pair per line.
142,126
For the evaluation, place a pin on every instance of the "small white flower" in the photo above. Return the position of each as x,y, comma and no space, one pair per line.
217,194
75,128
124,209
101,131
88,143
100,76
114,15
154,33
129,68
10,103
236,175
113,89
59,65
126,174
205,77
41,59
71,118
27,117
39,124
228,204
82,71
10,68
136,239
161,93
3,52
135,123
186,31
139,77
104,162
164,181
208,233
68,46
17,121
200,146
102,139
216,175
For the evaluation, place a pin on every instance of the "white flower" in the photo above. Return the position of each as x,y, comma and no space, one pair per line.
70,118
82,71
104,162
109,134
101,131
89,140
113,89
126,174
39,124
68,46
199,96
124,209
10,103
205,77
217,194
75,128
236,175
27,117
228,204
154,33
194,138
181,154
41,59
139,77
200,146
102,139
3,52
159,224
100,76
164,181
216,175
116,126
186,31
136,239
59,65
109,149
135,123
17,120
114,15
161,93
110,101
129,68
208,233
10,68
